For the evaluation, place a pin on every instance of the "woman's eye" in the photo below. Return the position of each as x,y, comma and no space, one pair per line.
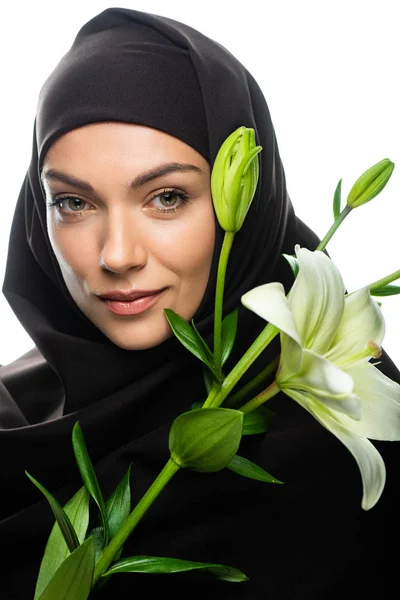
69,205
75,204
169,200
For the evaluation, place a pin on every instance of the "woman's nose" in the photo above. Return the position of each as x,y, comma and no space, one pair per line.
123,247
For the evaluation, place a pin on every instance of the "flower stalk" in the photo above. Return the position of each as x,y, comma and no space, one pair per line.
252,353
219,298
384,281
109,553
271,391
335,226
234,181
246,390
367,186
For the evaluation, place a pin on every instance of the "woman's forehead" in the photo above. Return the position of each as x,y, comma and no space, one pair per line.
117,143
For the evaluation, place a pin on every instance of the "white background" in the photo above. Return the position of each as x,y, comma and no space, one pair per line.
329,72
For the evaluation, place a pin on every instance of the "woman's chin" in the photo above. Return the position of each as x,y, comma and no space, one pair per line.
137,340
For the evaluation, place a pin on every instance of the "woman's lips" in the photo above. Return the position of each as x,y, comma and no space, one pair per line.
132,307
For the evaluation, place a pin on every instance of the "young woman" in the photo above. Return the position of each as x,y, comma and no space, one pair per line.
116,206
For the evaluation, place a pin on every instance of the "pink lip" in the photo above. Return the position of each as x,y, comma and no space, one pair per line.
122,296
131,303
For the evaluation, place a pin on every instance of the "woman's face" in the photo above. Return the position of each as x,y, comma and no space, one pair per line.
132,212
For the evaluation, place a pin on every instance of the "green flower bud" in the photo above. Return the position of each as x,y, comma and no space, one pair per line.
371,183
206,439
234,178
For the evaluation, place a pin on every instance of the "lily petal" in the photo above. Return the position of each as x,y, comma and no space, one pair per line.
370,462
362,321
328,384
380,403
291,358
316,299
269,302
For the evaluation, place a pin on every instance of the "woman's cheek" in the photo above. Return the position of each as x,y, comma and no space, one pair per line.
74,249
187,248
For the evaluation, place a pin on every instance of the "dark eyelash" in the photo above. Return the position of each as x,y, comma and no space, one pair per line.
57,201
54,202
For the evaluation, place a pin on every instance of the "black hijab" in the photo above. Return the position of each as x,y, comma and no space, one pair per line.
131,66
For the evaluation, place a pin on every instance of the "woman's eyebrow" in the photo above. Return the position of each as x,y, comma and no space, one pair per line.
56,175
163,170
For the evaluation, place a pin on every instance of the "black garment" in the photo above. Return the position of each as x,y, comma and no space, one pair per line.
308,539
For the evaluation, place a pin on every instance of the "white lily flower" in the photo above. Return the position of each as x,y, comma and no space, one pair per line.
327,340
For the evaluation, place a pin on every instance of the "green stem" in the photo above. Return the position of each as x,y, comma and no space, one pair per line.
219,296
384,281
252,353
253,384
108,554
265,395
213,393
335,226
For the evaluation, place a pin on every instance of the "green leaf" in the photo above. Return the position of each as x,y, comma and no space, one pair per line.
293,263
118,506
257,421
205,440
117,510
202,342
73,579
56,551
88,475
62,519
386,290
337,199
160,564
228,334
246,468
97,533
188,336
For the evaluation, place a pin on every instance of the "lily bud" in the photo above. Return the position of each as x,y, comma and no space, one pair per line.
371,183
234,178
206,440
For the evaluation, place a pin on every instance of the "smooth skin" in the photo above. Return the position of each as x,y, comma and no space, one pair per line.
119,224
